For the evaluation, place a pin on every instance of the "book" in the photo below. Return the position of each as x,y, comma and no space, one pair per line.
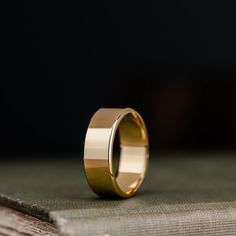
16,223
181,195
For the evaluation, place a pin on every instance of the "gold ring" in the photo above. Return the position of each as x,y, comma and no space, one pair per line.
104,178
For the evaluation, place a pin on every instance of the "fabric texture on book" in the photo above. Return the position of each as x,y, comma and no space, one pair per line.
184,195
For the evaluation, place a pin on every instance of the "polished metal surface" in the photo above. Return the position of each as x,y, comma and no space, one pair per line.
98,152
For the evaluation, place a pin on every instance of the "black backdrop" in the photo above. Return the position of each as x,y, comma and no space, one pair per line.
174,61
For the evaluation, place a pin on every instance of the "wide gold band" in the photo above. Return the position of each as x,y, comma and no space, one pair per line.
98,152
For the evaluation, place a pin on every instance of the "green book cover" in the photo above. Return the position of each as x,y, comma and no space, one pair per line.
184,195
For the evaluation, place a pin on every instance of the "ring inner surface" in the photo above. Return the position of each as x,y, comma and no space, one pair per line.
133,153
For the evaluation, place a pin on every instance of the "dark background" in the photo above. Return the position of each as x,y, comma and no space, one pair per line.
173,61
